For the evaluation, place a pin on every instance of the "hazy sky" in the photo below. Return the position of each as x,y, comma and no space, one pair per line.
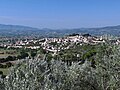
60,13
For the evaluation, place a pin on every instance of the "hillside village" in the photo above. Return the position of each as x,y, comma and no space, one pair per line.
57,44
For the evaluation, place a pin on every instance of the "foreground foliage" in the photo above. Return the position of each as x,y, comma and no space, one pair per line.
56,75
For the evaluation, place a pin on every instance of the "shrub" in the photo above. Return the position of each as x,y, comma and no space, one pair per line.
1,65
2,86
9,64
1,72
9,58
56,75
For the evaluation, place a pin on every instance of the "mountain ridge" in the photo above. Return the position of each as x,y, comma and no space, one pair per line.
14,30
8,26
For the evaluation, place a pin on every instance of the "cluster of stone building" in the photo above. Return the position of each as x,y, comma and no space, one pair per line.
57,44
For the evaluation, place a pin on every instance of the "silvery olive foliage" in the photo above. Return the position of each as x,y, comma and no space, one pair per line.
108,70
35,74
2,86
52,75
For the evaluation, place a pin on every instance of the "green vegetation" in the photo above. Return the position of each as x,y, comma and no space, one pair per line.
5,71
99,71
86,67
12,54
7,52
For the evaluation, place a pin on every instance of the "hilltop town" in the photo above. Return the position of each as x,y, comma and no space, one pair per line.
56,44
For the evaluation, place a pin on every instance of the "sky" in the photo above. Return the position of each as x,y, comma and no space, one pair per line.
57,14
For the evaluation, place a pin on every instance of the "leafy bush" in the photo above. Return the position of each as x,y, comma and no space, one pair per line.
56,75
9,64
2,86
108,69
1,72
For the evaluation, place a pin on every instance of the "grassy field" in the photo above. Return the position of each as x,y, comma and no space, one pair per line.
7,53
5,71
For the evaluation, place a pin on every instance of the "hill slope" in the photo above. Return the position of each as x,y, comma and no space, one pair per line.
17,30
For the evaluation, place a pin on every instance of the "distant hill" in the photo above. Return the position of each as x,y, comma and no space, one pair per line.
16,27
17,30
